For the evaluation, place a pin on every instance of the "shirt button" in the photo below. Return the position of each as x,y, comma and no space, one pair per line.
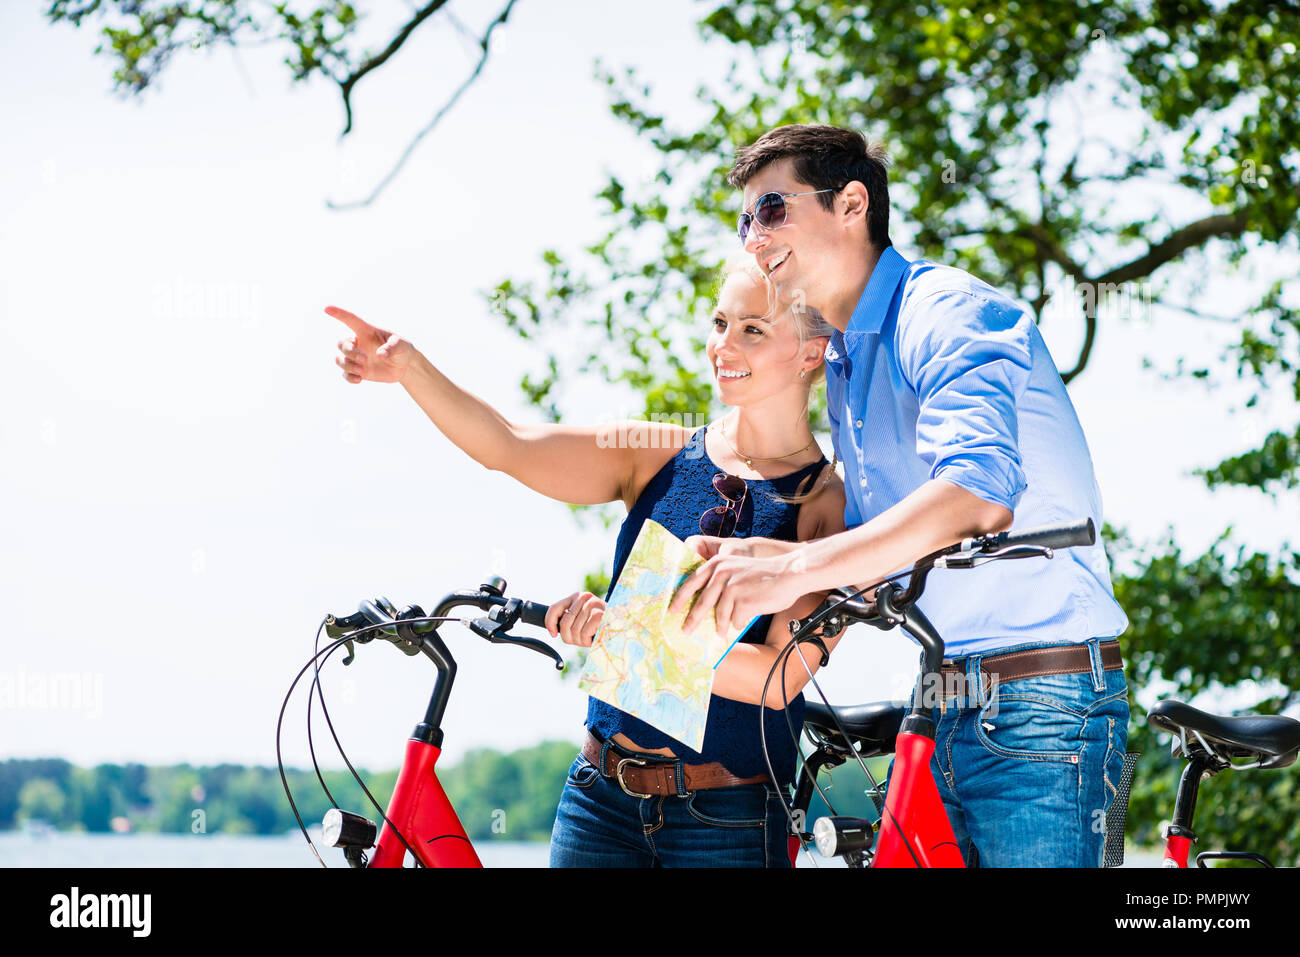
862,482
858,424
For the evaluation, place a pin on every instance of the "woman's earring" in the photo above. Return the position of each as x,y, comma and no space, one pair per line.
802,373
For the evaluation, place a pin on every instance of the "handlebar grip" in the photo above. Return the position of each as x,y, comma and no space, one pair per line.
1063,535
532,613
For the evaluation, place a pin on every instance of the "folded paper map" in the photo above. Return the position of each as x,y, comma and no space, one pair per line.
640,660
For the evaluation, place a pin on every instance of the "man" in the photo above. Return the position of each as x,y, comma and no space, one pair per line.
951,421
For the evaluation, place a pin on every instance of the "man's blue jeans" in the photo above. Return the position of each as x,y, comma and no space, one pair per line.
599,825
1027,769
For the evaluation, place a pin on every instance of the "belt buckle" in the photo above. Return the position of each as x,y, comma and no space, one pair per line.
618,776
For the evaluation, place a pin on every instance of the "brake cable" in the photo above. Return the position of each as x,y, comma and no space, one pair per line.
279,759
783,659
311,747
816,619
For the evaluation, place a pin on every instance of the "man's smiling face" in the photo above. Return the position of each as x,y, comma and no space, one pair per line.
797,255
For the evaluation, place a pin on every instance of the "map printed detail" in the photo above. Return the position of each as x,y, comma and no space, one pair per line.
640,660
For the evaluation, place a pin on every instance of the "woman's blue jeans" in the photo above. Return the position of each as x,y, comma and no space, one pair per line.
1027,769
599,825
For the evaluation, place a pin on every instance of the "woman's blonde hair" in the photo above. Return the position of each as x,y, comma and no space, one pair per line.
808,324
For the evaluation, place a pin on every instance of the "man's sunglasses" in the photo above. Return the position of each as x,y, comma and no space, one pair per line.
769,211
721,521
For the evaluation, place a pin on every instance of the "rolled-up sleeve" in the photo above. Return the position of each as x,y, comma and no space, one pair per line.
967,360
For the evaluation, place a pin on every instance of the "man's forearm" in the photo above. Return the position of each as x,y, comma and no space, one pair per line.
935,515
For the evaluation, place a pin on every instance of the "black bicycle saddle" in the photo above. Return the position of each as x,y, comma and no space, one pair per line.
873,726
1273,739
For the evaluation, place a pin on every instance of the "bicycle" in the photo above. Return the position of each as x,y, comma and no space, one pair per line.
420,818
912,828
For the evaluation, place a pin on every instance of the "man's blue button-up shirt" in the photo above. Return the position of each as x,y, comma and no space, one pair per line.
939,375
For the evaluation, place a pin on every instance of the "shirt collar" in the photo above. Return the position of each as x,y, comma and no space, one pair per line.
869,314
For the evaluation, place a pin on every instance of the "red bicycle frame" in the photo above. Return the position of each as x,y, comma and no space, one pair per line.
421,811
1177,847
915,830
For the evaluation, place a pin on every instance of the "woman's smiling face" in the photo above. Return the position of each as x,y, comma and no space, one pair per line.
753,354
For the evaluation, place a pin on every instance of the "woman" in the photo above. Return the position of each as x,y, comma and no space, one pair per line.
618,807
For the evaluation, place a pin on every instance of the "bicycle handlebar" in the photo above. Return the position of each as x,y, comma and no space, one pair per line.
845,605
1061,535
414,632
892,605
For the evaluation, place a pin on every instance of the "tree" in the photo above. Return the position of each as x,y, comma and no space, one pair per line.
144,35
41,800
15,773
1093,160
90,803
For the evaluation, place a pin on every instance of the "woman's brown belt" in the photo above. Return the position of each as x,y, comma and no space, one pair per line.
643,776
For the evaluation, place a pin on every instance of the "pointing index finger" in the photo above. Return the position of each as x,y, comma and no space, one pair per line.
355,323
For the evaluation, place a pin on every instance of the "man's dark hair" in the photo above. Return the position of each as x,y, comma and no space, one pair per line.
825,157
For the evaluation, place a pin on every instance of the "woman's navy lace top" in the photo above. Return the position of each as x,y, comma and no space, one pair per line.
676,498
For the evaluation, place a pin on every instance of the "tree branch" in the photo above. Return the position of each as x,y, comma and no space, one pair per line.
379,59
1051,250
1201,315
1179,241
501,18
1047,246
1089,337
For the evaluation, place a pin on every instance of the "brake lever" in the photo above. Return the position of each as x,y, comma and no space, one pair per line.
972,559
541,647
336,628
495,632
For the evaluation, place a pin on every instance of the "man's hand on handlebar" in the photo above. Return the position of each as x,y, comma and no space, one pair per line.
576,619
370,353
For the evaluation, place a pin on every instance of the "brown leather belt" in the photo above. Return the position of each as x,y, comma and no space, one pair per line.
652,775
1037,662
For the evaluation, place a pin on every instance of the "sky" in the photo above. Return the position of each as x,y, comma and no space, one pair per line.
190,483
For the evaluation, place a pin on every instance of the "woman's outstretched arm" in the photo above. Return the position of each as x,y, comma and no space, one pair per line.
581,465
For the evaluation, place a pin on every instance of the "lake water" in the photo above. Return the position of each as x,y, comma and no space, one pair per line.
209,850
216,850
61,849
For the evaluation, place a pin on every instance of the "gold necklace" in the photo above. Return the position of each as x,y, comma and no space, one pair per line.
750,459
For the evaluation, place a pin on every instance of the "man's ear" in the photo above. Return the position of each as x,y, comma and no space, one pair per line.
854,202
